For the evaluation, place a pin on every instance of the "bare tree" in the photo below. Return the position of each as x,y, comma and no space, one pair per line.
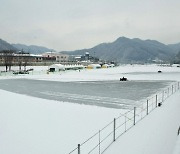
8,58
26,58
23,59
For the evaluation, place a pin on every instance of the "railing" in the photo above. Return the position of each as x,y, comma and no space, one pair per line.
102,139
40,72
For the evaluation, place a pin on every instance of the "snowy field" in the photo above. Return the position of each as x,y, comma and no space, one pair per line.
40,126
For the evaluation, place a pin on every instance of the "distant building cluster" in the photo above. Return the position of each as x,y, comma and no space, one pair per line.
55,56
83,58
51,57
60,67
23,59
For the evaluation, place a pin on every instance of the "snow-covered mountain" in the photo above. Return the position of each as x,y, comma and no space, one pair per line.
122,50
130,50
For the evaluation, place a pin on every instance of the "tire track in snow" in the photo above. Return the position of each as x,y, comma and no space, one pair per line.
88,99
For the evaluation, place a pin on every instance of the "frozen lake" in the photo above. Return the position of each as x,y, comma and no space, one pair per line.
112,94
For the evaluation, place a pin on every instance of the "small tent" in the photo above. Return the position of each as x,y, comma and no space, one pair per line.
111,65
56,68
93,66
105,66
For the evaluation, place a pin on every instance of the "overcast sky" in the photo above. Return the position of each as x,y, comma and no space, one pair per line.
78,24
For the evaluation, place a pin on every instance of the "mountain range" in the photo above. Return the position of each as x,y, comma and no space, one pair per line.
33,49
6,46
123,50
127,50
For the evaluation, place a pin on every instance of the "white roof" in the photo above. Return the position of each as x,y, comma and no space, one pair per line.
57,65
73,66
33,55
105,65
94,65
112,65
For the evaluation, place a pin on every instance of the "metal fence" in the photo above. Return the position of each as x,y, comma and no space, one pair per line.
40,72
102,139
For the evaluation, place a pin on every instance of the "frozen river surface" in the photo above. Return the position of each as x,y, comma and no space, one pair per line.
113,94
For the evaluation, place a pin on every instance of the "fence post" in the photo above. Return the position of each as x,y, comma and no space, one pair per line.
134,115
168,92
99,143
79,148
142,112
156,100
162,96
172,89
114,138
125,122
147,106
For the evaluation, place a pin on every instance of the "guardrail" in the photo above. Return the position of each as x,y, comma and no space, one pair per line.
101,140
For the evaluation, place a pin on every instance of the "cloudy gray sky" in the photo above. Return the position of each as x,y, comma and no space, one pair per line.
77,24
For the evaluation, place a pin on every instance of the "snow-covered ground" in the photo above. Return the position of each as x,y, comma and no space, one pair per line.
155,134
177,147
132,72
38,126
